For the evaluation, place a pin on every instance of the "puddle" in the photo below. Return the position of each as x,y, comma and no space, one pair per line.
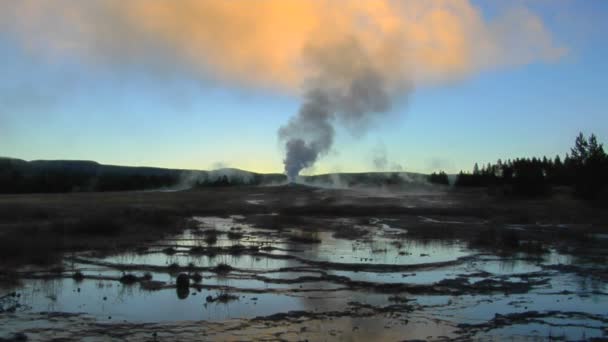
271,272
381,250
249,262
108,300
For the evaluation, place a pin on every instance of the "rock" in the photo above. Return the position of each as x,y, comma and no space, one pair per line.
182,292
128,279
183,280
196,277
20,337
78,276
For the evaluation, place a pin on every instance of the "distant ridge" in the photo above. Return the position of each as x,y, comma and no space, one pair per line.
20,176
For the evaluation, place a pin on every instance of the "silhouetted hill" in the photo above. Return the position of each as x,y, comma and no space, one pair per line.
20,176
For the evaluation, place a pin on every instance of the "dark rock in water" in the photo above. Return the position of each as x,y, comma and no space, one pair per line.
151,285
78,276
183,280
221,298
182,292
20,337
222,269
196,277
128,279
169,251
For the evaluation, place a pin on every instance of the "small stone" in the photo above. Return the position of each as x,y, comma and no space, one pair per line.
183,280
20,337
196,277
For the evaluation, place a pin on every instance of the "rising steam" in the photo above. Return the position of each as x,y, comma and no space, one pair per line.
348,59
347,88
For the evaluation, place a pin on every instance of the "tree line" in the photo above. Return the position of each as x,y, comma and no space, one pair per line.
585,168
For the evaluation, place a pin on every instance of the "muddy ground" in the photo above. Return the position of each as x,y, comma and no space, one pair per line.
302,263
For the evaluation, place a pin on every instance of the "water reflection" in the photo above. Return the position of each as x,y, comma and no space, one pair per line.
182,293
105,296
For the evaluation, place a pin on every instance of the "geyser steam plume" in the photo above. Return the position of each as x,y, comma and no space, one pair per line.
348,89
353,76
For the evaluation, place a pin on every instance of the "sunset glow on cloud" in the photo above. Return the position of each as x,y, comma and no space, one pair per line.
269,42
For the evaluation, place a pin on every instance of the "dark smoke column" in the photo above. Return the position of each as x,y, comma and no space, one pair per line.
299,155
309,134
348,90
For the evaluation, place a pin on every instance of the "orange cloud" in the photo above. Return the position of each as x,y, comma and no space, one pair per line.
269,42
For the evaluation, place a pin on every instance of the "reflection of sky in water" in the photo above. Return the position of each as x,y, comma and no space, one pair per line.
531,330
233,279
379,250
382,249
244,261
495,266
133,304
475,309
424,277
387,247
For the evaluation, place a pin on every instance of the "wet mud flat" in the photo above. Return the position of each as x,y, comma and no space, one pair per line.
291,263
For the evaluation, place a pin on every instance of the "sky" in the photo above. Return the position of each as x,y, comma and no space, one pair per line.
150,84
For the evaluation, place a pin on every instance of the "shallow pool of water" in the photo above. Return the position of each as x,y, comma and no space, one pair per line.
295,269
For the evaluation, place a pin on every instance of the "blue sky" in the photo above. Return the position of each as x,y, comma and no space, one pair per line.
67,109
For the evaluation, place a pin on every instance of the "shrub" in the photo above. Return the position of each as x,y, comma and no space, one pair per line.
129,279
222,268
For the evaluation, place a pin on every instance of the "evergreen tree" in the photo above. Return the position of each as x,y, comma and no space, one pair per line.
580,150
590,165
